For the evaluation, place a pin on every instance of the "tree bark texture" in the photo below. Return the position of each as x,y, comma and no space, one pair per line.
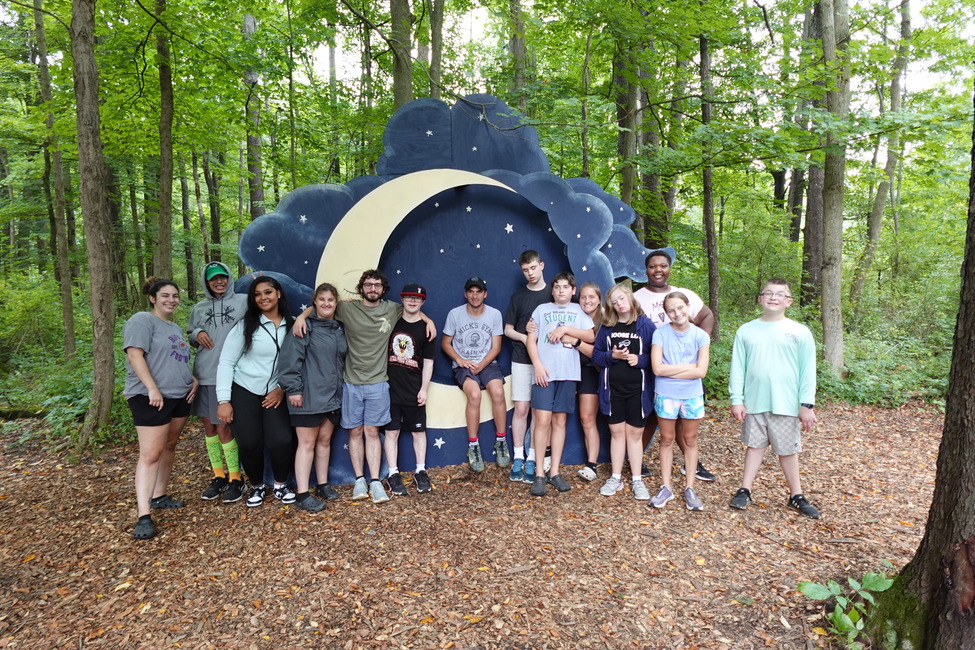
519,55
625,92
95,207
435,10
255,176
401,39
710,236
812,240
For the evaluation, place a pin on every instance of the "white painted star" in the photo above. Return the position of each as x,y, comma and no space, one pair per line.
439,443
550,230
588,209
473,148
578,235
304,307
429,133
621,208
306,261
437,204
478,246
302,218
398,271
441,250
345,446
509,228
609,246
260,249
480,118
469,208
584,269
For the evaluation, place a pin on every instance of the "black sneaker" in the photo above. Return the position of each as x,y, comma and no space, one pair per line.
704,475
396,485
422,481
741,499
645,471
256,497
165,502
217,487
234,492
538,486
327,492
799,502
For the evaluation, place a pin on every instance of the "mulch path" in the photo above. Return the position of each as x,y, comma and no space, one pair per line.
477,563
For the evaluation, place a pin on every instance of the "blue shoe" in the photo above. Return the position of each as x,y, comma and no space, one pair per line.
529,476
517,473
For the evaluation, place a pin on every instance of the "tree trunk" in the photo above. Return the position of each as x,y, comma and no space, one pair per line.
184,194
401,39
812,240
57,172
212,178
584,111
162,257
626,93
435,8
93,174
204,231
835,25
710,236
519,55
797,187
255,177
137,237
931,604
875,220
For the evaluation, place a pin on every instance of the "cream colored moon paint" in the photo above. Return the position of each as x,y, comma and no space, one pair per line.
347,255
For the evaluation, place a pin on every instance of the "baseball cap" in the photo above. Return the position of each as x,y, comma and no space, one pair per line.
413,290
475,282
213,270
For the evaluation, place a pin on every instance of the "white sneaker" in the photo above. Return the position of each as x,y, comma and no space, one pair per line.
378,492
611,486
640,491
587,473
360,490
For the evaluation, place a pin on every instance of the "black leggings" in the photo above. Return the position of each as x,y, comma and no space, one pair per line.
255,428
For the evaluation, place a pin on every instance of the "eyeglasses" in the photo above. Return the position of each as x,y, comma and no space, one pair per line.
780,295
372,285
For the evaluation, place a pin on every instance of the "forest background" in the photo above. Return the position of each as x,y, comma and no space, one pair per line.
823,142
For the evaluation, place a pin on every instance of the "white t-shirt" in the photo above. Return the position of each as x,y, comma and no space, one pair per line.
562,363
653,304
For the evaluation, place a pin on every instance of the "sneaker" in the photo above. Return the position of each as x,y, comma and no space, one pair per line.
538,486
422,481
284,494
144,528
799,502
256,497
691,500
529,472
702,474
559,483
475,458
517,473
311,504
640,491
377,492
327,492
587,473
661,498
501,455
235,492
645,471
611,486
742,498
217,487
165,502
360,490
547,462
396,485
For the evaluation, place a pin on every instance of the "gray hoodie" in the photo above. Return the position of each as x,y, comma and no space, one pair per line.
216,317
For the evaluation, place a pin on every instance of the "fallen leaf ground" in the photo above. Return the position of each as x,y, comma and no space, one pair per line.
478,563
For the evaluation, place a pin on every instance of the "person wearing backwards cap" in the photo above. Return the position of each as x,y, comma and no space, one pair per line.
472,340
410,368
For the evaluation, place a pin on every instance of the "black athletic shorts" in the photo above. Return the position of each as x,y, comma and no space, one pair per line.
146,415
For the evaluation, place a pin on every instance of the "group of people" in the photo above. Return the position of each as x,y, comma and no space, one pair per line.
266,382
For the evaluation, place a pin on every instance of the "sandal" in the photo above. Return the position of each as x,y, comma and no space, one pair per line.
165,502
144,528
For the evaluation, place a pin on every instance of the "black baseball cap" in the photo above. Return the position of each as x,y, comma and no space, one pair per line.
475,282
413,290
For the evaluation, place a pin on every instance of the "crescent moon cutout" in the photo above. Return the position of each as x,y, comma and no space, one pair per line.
347,255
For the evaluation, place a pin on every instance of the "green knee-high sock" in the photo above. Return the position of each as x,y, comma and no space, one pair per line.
233,461
216,457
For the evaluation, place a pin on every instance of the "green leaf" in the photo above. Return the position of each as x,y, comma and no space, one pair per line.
877,582
814,590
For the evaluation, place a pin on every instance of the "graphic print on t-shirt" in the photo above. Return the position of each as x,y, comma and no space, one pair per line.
403,349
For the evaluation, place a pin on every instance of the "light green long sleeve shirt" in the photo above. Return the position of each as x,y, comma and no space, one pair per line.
773,367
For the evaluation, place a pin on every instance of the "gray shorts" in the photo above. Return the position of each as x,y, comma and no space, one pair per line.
781,431
205,404
522,378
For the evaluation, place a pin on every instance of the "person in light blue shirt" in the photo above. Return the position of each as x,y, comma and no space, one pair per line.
679,357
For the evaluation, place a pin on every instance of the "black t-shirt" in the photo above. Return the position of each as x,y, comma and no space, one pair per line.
408,347
624,379
520,308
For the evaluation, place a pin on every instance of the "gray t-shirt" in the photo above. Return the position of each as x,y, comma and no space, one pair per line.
562,363
166,351
473,337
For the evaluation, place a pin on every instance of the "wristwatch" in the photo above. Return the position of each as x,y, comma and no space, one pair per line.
808,406
577,343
